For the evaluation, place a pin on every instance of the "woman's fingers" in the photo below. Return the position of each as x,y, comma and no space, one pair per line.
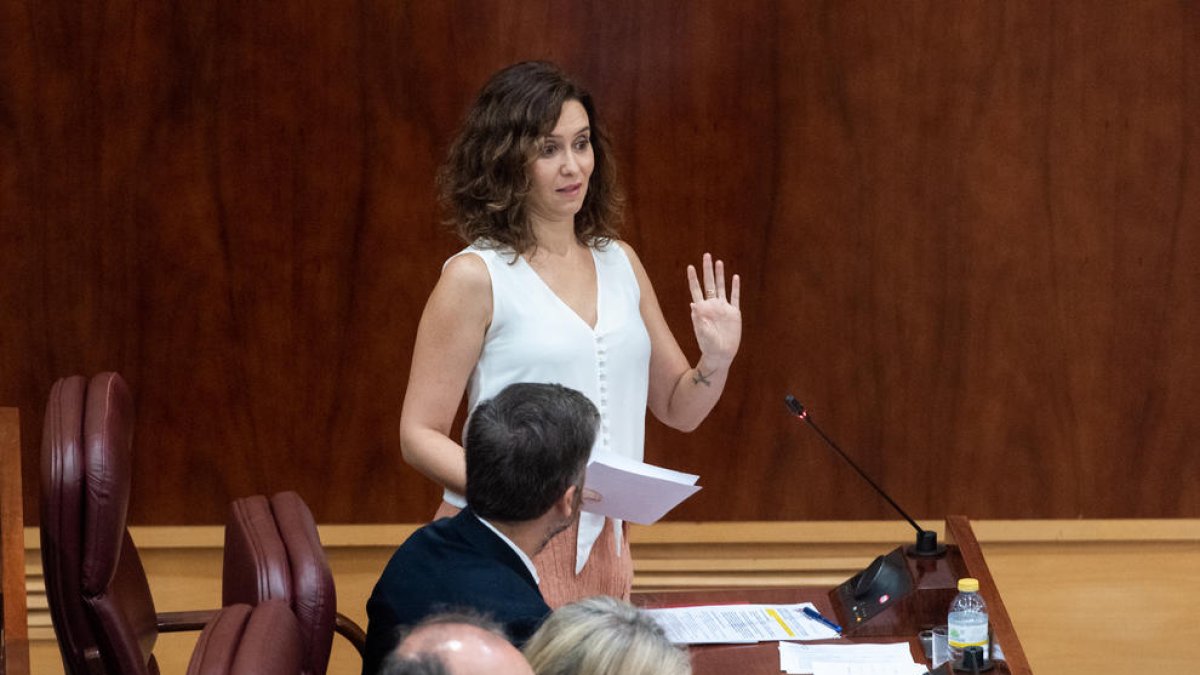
694,284
710,286
713,275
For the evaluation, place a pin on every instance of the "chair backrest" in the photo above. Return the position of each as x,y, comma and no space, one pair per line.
99,597
250,640
273,551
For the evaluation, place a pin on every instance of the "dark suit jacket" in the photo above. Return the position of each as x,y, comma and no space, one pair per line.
452,563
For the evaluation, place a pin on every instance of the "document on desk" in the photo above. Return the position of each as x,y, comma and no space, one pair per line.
739,624
827,668
848,659
620,487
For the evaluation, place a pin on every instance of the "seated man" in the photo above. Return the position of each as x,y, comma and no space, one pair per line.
526,452
456,644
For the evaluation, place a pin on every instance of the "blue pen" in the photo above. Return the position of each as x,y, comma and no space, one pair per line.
816,616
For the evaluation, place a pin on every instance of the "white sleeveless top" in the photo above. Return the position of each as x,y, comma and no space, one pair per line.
536,337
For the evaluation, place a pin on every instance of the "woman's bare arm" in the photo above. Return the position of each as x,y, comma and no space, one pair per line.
449,340
681,396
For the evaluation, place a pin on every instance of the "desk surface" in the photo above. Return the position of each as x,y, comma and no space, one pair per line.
764,657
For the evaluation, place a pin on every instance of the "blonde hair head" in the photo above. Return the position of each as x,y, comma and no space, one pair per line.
603,636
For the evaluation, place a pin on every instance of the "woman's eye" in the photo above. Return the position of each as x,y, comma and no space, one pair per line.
549,149
582,143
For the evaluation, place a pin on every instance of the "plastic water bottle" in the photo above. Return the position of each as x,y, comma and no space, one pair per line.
968,620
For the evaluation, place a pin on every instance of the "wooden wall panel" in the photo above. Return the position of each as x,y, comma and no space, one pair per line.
966,231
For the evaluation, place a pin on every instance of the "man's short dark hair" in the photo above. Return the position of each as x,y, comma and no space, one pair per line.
525,447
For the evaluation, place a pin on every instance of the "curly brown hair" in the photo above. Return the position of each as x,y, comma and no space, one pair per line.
485,180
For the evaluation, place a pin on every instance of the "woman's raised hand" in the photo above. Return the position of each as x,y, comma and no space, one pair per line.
717,319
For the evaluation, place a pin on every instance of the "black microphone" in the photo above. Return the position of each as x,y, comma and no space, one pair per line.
927,544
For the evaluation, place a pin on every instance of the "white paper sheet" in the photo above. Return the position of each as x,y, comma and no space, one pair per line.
739,624
619,487
827,668
894,658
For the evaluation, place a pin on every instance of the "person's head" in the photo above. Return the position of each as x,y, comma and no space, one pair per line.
531,131
455,643
603,636
527,450
429,663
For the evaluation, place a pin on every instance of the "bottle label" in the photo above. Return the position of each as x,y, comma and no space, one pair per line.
973,634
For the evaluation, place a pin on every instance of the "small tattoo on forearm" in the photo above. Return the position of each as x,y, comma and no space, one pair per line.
701,378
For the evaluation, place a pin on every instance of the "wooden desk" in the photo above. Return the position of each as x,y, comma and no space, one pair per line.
963,556
14,649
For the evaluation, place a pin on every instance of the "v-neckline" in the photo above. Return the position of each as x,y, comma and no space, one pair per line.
563,303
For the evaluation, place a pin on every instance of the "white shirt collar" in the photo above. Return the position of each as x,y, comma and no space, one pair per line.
516,549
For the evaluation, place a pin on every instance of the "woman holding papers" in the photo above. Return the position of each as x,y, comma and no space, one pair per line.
545,292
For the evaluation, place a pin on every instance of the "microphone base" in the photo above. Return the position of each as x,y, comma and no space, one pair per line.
898,593
916,552
927,546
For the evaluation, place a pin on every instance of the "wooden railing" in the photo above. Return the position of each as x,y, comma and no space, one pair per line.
1060,579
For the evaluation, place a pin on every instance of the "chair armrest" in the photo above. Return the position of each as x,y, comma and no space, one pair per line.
176,622
346,627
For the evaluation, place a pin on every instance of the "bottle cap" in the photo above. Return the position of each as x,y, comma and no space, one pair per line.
968,585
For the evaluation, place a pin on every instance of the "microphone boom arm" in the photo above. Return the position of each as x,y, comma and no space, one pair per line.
926,539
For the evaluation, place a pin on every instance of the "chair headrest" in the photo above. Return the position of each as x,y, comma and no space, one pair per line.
62,509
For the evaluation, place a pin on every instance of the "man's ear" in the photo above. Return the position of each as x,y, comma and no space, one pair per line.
566,504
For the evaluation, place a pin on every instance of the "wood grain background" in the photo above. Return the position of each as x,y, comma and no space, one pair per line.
967,232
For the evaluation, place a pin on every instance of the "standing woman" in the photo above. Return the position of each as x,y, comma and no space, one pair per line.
545,292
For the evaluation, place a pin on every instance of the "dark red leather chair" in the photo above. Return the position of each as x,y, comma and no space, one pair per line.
273,551
100,602
263,639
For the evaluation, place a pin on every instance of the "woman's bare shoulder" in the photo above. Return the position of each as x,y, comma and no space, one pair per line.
467,271
634,261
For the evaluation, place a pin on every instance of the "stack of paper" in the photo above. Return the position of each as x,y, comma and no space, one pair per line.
848,659
736,624
619,487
